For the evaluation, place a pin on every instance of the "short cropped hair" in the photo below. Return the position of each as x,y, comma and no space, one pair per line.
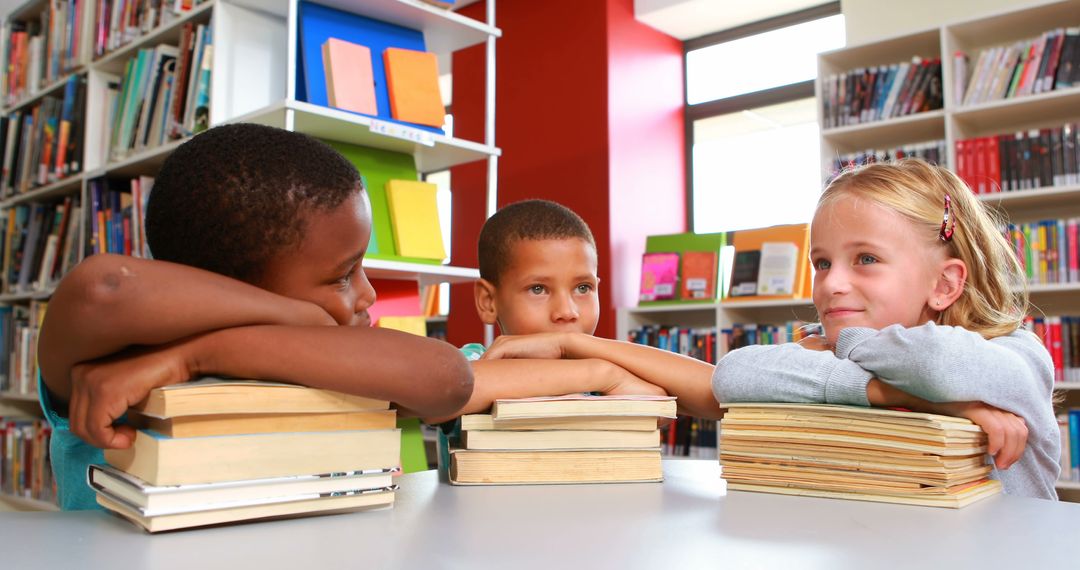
233,197
525,220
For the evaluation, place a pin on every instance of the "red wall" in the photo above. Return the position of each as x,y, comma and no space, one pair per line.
589,115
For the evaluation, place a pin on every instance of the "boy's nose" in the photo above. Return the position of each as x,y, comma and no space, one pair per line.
366,298
565,311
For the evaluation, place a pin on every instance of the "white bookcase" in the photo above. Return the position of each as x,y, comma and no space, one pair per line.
253,80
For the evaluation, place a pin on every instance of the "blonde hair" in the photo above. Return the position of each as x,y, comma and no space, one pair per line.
994,300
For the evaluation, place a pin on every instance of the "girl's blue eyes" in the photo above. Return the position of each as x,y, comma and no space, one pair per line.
822,265
867,259
864,259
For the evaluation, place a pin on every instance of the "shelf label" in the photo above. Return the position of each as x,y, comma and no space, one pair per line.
402,132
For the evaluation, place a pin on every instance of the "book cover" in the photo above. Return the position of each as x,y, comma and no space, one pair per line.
414,211
659,276
412,78
699,272
583,405
350,84
744,273
776,273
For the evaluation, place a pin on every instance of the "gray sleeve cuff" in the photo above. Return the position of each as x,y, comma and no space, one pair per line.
849,338
846,384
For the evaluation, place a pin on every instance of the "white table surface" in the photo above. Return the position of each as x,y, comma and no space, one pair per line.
685,522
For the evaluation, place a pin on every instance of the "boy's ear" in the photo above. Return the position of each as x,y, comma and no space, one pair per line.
950,284
484,295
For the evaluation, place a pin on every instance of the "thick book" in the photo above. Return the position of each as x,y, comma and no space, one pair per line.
304,505
560,439
470,467
218,396
161,499
746,275
583,405
855,453
161,460
236,424
477,422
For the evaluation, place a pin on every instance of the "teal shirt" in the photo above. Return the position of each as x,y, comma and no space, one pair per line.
449,433
70,457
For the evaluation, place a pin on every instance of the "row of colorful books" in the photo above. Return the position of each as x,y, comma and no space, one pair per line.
1038,158
38,51
1036,65
25,466
117,215
1047,250
709,345
865,95
1061,336
689,437
164,94
39,244
934,152
43,143
119,22
19,325
1069,423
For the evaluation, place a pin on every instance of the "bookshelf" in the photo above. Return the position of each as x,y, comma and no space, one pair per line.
253,78
957,121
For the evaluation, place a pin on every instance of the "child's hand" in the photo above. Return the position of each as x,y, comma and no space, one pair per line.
542,345
618,381
815,342
102,390
1007,432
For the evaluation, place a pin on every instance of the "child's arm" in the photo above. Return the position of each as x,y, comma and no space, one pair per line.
423,375
526,378
110,302
681,376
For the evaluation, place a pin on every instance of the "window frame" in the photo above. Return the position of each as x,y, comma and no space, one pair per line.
763,98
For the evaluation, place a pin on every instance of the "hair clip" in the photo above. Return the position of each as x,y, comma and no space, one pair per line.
947,229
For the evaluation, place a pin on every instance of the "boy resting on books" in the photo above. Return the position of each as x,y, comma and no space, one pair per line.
258,235
538,275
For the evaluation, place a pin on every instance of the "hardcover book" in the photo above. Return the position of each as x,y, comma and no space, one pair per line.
659,276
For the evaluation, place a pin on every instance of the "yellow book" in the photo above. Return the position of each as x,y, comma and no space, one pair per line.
415,325
415,216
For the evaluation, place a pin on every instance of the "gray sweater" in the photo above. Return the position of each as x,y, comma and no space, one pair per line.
936,363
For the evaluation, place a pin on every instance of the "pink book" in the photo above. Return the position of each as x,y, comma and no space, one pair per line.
350,84
659,274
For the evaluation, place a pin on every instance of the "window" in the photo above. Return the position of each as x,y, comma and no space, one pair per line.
752,126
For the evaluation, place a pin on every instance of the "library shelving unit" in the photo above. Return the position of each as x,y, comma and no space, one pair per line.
956,121
256,44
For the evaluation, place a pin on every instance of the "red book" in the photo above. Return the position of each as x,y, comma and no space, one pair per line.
980,166
993,165
1055,348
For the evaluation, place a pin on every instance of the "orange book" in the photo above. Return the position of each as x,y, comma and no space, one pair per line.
350,84
698,275
798,234
412,80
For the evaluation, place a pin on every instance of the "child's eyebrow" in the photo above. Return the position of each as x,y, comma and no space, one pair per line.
349,262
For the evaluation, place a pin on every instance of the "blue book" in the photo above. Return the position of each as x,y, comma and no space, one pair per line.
319,23
1074,443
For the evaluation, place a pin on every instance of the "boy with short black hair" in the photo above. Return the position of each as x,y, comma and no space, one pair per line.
259,235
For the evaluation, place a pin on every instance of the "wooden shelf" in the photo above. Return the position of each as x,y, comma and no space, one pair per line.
444,31
920,127
27,296
1018,113
28,504
343,126
1070,485
767,303
59,188
1067,386
926,43
48,89
18,397
146,161
420,272
1042,198
675,307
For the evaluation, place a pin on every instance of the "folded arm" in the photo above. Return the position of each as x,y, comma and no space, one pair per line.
111,302
527,378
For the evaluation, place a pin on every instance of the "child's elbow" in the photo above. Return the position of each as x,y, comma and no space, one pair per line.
453,384
99,281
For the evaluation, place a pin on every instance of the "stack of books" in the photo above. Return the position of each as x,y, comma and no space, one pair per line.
856,453
214,451
564,439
